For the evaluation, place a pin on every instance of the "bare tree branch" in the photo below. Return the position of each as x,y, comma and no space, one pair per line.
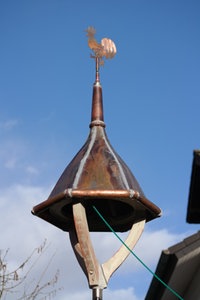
19,281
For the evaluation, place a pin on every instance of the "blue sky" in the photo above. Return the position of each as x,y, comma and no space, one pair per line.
151,107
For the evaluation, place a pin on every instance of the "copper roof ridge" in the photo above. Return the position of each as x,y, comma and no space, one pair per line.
98,194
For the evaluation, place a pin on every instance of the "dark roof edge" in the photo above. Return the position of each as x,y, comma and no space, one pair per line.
167,264
193,208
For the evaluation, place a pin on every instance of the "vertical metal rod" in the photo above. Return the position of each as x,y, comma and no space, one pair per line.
97,79
97,293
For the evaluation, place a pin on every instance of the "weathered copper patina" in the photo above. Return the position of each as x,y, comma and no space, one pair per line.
97,176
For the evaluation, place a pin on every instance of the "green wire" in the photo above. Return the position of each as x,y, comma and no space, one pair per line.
156,276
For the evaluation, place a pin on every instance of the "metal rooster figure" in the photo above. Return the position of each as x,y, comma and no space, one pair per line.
105,49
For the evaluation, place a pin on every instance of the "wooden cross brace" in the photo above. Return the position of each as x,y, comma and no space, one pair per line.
98,275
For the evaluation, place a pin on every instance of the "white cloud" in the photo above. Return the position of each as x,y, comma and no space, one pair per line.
12,151
155,242
10,163
31,170
107,294
22,232
128,293
8,124
15,205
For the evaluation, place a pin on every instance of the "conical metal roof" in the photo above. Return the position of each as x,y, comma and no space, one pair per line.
97,176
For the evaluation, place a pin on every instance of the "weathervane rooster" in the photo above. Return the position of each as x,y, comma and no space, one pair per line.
105,49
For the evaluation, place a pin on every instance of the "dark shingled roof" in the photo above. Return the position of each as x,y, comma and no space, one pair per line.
177,267
193,211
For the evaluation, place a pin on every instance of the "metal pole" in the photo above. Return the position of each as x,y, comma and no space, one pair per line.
97,293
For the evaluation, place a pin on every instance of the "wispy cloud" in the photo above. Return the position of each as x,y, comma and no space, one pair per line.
10,163
107,294
15,158
31,170
8,124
